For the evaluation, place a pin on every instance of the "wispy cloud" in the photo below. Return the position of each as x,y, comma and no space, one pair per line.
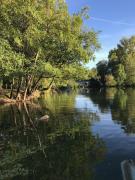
110,39
111,21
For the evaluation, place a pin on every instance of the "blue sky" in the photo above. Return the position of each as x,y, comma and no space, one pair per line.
114,18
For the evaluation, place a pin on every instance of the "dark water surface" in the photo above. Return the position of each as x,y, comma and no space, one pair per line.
87,136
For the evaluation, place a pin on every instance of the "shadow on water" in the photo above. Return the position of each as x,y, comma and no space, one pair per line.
61,148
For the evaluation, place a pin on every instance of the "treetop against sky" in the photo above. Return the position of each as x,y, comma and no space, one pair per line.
114,18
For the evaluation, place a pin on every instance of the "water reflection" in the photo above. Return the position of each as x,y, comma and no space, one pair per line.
102,98
120,103
116,111
62,148
123,109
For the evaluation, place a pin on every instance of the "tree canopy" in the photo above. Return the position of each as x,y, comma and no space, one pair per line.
39,39
120,68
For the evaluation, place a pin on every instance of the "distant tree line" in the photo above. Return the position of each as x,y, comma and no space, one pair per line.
119,69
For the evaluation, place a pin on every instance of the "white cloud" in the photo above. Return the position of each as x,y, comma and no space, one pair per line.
110,41
111,21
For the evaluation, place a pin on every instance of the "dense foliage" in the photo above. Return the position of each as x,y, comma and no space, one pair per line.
120,68
40,39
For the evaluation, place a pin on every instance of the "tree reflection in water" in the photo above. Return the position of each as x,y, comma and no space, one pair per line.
62,148
121,104
123,109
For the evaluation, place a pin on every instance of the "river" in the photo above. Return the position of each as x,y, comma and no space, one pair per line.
87,136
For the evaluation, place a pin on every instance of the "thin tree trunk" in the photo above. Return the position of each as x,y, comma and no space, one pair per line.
19,86
25,93
35,85
26,89
12,87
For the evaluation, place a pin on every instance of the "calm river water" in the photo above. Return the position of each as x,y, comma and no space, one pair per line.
87,136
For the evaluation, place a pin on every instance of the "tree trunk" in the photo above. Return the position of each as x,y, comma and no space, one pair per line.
26,89
19,86
35,85
12,87
25,93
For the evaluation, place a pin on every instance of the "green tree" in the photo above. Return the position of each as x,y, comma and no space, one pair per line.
122,62
92,73
42,38
129,59
102,70
110,81
120,75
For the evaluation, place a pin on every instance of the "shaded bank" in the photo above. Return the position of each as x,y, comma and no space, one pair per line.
4,98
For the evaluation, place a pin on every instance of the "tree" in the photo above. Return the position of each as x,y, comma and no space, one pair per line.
42,38
129,59
113,61
102,70
92,73
122,61
120,75
110,81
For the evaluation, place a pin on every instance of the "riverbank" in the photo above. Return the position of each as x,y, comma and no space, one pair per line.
5,100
